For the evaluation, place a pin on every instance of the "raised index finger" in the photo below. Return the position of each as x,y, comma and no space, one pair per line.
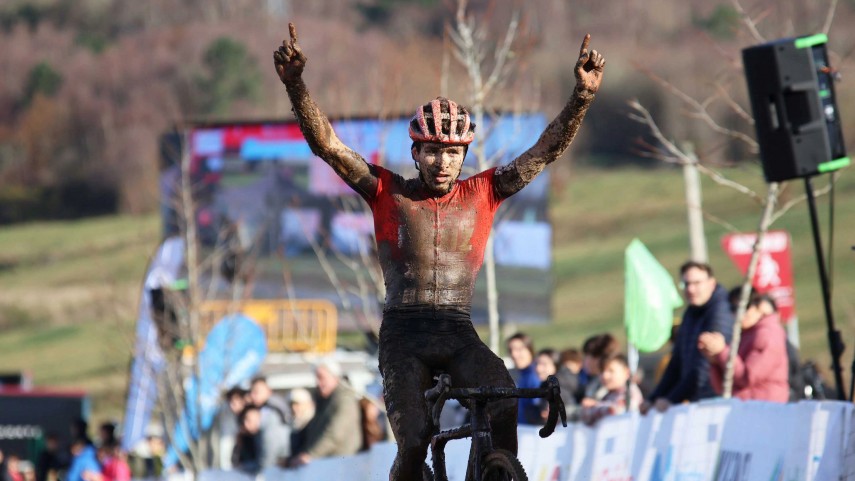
292,30
584,49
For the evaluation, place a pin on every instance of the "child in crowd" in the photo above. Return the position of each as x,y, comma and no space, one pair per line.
595,349
114,463
614,377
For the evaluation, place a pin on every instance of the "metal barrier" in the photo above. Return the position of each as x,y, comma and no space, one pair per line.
303,325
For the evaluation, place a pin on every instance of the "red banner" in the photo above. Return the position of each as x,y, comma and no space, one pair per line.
774,273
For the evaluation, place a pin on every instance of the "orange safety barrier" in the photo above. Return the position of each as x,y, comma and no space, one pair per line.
303,325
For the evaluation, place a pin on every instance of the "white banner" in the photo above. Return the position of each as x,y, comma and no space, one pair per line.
710,441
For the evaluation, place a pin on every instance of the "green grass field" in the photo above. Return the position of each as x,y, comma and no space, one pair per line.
69,290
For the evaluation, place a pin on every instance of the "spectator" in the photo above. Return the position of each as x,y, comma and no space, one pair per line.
114,463
547,364
569,369
3,470
107,434
84,462
662,365
334,430
246,455
13,471
521,349
615,378
594,350
275,432
687,376
570,360
228,423
760,368
795,376
80,430
303,410
50,460
146,459
372,431
28,471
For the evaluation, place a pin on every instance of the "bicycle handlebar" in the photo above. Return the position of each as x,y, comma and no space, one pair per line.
437,395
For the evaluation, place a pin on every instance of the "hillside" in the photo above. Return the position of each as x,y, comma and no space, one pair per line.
68,290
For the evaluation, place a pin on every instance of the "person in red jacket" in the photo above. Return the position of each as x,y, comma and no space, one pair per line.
761,367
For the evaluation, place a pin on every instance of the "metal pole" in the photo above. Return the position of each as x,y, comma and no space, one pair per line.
834,340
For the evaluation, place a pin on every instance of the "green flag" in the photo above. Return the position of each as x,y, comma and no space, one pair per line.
650,300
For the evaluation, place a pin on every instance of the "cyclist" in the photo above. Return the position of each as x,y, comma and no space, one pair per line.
431,233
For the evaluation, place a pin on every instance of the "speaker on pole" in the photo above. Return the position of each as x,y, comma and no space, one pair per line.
791,88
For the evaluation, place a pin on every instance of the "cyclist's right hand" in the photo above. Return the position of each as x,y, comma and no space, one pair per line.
289,59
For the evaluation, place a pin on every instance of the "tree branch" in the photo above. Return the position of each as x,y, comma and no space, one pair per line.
797,200
748,22
829,17
701,112
680,157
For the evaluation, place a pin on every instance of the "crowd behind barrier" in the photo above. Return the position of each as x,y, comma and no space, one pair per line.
720,440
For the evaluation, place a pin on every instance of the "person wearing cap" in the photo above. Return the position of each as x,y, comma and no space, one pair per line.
431,233
303,410
334,429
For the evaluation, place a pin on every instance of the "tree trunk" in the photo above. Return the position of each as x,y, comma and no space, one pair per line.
692,179
769,208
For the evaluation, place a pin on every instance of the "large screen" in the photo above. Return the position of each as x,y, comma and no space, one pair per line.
312,237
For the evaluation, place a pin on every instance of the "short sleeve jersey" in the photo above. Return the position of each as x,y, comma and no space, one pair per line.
431,248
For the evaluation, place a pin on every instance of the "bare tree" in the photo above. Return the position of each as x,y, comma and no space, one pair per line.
471,48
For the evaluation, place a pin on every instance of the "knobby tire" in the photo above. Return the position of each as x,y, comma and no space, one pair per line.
502,465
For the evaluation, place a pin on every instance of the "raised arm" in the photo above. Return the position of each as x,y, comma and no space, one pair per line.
511,178
289,61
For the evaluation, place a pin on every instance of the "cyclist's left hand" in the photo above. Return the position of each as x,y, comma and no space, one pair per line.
589,68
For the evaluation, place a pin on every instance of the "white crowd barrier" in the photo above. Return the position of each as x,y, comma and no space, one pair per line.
721,440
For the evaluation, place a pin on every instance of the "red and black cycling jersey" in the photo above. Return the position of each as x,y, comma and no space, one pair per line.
431,248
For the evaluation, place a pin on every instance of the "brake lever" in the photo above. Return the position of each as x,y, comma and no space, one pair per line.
556,408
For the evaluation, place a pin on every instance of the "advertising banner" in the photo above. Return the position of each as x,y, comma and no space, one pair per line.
774,273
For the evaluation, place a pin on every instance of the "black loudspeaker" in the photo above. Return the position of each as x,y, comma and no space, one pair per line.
791,87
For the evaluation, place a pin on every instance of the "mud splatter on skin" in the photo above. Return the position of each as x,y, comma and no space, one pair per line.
431,247
323,141
557,137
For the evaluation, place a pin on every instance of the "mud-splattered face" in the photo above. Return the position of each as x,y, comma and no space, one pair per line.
439,165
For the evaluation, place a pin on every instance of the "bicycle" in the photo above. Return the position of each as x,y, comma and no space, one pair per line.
485,461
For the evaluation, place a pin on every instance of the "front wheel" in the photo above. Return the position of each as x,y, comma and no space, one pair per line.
427,473
502,465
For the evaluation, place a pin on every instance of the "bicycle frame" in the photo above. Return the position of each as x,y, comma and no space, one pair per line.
479,426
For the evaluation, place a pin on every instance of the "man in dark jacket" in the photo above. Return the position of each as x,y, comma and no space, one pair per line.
687,377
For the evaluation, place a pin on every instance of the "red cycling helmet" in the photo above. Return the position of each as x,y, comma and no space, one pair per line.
427,124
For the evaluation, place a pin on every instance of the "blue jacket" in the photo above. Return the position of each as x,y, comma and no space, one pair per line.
687,377
528,410
84,461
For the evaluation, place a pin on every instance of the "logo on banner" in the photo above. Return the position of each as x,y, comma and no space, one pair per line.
774,273
733,466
